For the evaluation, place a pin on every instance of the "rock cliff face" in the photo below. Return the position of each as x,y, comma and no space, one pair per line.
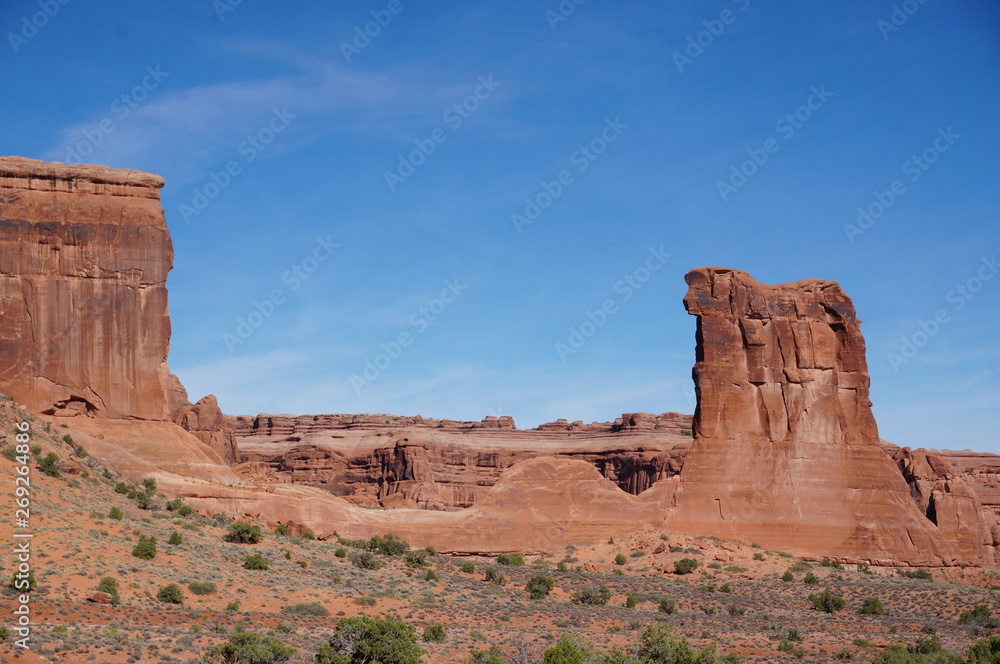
786,449
84,256
949,502
445,465
84,329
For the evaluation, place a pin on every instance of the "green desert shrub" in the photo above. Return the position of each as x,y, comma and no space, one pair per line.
143,500
492,655
109,585
146,548
48,465
510,559
175,538
788,577
985,651
539,586
171,594
434,633
242,532
980,616
592,596
306,609
685,565
620,559
362,639
468,567
657,646
872,606
250,648
180,507
115,513
826,601
255,561
23,583
202,587
570,649
826,562
416,558
388,545
811,579
921,574
365,560
666,605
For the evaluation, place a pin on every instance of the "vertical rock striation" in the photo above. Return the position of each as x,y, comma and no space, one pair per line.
84,328
786,449
84,256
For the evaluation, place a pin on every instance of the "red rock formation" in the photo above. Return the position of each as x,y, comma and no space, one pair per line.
84,256
980,471
786,449
203,419
446,465
538,506
948,501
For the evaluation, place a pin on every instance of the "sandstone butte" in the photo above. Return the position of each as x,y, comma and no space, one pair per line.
785,451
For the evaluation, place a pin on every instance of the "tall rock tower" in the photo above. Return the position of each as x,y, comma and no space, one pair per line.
84,257
786,450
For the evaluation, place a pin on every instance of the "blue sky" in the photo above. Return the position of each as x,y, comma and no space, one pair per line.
473,181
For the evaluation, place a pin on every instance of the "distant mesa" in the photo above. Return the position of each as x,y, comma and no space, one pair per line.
782,451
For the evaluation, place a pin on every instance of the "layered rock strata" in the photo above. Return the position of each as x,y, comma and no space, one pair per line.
84,256
786,450
443,466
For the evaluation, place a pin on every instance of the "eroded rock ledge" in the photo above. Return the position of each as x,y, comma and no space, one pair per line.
393,461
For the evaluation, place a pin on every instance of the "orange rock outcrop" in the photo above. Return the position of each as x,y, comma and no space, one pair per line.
84,328
84,256
786,450
445,465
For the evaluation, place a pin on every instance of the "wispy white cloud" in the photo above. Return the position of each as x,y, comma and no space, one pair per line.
195,128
